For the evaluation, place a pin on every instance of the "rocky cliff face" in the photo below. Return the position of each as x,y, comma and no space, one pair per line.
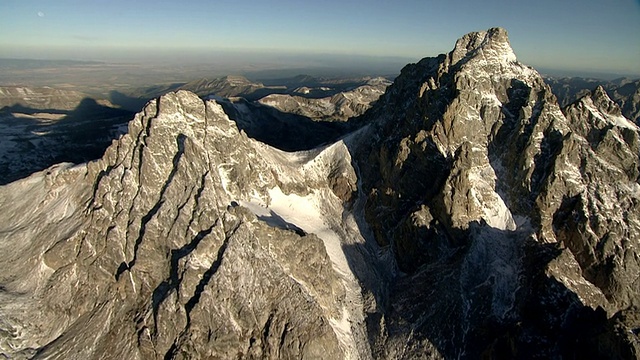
146,253
624,92
489,198
469,217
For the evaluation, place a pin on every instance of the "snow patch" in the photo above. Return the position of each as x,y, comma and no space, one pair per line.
309,213
616,120
621,121
304,212
494,210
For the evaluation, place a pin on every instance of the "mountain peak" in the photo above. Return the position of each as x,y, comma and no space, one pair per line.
494,41
603,102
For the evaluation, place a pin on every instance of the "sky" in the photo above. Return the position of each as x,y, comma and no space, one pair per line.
587,35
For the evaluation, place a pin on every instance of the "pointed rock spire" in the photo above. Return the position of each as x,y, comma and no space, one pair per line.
603,102
493,42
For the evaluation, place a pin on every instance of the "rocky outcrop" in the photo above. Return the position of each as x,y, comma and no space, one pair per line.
445,128
488,196
624,92
146,253
597,173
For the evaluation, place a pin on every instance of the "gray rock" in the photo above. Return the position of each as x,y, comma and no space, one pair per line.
624,92
483,188
141,255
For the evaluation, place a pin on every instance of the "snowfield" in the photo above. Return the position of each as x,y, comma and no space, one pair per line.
318,212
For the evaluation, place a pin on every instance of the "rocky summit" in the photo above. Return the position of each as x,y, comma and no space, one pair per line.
467,215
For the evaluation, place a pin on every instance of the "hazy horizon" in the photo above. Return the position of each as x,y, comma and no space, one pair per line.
247,61
592,36
257,66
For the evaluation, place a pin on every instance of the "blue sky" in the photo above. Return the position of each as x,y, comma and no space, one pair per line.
578,35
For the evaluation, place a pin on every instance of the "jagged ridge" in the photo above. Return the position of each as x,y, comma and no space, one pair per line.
467,182
151,243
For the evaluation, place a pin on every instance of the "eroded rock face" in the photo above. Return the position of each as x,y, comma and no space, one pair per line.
470,217
624,92
499,207
144,254
447,127
597,219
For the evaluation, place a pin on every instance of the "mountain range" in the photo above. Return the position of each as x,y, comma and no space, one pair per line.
625,92
463,213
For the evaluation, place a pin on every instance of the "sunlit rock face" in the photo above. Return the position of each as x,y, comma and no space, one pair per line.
339,107
145,253
466,216
506,217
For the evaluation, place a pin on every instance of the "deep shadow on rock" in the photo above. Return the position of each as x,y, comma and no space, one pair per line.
80,135
288,132
490,298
